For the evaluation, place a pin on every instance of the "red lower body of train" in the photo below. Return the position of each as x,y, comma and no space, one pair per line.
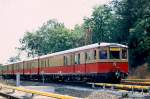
102,71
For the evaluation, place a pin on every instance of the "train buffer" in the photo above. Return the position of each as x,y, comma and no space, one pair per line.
32,92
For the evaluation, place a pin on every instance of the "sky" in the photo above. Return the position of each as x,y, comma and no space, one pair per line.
19,16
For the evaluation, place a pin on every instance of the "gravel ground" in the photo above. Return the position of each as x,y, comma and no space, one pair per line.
102,95
86,93
73,92
20,94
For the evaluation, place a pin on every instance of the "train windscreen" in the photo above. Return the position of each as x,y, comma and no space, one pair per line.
114,53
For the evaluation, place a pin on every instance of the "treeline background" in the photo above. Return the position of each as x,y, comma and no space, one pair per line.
121,21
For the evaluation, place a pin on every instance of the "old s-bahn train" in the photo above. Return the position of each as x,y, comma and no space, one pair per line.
99,62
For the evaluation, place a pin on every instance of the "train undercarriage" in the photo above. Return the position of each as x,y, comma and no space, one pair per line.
112,77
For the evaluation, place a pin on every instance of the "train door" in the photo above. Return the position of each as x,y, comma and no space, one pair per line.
79,63
40,66
73,61
23,67
83,61
90,61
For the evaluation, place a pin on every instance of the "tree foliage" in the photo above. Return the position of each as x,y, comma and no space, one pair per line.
101,23
14,59
51,37
126,22
121,21
134,26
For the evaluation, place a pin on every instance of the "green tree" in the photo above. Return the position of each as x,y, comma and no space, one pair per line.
14,59
51,37
102,24
133,24
77,36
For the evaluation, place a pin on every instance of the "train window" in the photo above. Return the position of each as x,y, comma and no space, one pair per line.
94,54
27,66
65,60
41,63
68,60
8,67
45,63
51,62
17,66
32,64
85,55
90,55
103,54
48,62
124,53
114,53
77,59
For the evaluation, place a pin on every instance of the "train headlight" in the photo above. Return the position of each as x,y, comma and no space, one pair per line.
114,64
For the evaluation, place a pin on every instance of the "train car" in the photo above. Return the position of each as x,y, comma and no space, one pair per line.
100,62
7,70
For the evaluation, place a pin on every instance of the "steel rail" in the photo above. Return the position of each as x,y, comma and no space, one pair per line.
122,86
136,83
137,80
52,95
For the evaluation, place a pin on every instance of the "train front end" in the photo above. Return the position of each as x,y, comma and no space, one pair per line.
119,58
113,62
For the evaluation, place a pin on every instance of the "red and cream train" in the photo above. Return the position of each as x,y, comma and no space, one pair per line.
104,62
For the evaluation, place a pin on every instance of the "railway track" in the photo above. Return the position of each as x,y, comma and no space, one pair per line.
136,85
134,88
141,82
122,88
11,92
137,80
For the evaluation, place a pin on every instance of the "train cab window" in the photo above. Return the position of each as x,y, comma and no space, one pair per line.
103,54
124,53
114,53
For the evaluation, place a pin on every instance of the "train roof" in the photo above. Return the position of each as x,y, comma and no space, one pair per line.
84,48
91,46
